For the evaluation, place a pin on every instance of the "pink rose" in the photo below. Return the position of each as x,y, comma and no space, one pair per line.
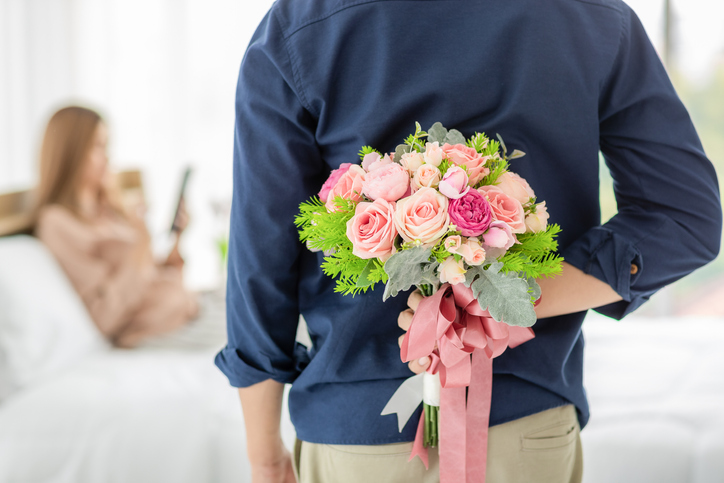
389,182
452,272
455,183
505,208
348,187
515,186
332,180
426,175
422,216
452,243
372,230
498,239
472,252
412,161
538,221
471,213
461,155
433,154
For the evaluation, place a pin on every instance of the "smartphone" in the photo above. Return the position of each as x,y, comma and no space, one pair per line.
182,193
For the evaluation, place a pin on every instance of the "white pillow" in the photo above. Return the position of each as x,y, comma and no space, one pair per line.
44,326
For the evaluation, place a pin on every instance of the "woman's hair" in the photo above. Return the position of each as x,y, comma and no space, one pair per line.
64,159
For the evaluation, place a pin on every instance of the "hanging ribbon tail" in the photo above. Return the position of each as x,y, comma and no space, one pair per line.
478,416
452,429
418,447
405,400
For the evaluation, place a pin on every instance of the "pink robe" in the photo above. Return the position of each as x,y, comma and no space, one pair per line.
109,262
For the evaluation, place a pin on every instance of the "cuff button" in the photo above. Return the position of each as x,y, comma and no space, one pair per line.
634,269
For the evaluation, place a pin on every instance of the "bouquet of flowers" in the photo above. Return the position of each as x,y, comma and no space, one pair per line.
445,214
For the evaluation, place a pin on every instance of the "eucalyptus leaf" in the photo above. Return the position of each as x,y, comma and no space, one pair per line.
363,280
437,133
517,153
407,268
502,144
400,150
504,295
454,137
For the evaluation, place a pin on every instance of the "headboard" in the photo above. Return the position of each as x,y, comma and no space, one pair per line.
15,207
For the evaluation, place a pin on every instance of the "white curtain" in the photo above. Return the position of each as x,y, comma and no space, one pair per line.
162,72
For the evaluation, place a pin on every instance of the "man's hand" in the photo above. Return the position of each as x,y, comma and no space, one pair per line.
404,320
280,471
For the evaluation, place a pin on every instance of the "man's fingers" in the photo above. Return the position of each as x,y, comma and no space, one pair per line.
405,319
414,300
420,365
399,340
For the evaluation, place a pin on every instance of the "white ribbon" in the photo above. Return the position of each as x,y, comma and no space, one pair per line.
414,390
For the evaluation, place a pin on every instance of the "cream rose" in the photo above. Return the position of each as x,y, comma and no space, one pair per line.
422,216
433,154
412,161
426,175
452,272
538,221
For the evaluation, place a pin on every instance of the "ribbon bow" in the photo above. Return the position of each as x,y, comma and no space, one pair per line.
462,340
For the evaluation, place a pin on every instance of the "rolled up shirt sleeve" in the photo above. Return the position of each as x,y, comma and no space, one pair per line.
277,165
669,219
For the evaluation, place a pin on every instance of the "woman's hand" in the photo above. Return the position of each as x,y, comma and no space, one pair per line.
174,258
182,218
404,320
279,471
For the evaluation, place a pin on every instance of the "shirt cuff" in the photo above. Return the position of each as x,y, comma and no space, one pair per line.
243,372
612,259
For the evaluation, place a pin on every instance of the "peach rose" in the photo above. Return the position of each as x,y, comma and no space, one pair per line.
505,208
412,161
388,182
452,243
538,221
452,272
348,187
461,155
515,186
422,216
372,230
472,252
426,175
433,154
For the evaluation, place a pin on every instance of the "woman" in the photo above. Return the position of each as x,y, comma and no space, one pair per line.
104,247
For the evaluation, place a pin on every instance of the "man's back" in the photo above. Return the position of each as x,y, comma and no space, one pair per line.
557,79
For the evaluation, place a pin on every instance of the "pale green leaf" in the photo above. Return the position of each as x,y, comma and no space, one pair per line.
505,295
409,267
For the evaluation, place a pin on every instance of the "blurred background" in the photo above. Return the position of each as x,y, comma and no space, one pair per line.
163,73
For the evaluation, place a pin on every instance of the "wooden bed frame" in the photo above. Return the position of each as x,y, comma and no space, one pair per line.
15,207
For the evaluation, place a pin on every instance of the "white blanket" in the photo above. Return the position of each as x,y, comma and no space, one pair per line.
161,414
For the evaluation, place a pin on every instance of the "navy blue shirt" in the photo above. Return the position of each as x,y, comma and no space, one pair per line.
558,79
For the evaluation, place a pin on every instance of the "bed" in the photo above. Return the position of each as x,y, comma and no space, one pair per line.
74,409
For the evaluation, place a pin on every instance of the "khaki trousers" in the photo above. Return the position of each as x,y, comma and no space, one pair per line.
540,448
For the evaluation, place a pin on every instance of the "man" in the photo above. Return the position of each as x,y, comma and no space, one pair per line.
559,80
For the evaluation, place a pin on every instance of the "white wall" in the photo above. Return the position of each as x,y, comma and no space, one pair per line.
163,72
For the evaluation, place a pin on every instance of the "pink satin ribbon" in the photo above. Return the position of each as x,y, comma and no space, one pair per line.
462,340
